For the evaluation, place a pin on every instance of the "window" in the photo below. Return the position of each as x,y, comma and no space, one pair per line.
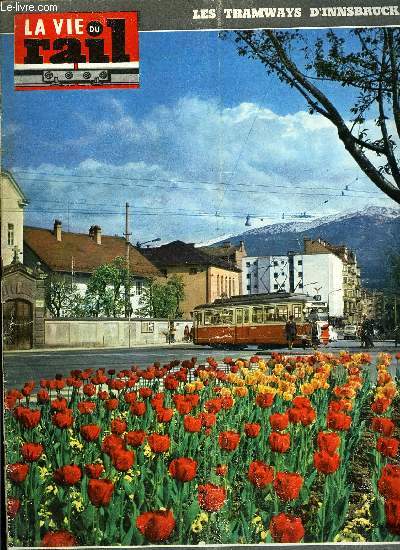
276,287
275,263
300,262
247,264
282,313
300,274
297,312
239,316
269,313
300,285
257,316
198,315
255,263
246,316
138,288
276,274
248,287
10,235
248,276
216,318
207,317
227,317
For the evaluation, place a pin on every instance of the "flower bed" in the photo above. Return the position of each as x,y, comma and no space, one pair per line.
253,452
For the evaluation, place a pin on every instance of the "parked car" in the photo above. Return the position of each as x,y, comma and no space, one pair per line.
350,332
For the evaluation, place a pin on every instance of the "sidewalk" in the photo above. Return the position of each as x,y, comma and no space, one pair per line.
184,345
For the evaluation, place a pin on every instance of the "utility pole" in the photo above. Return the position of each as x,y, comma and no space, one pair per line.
127,244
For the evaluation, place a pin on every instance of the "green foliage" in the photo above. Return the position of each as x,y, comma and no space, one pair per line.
62,296
363,60
162,300
106,293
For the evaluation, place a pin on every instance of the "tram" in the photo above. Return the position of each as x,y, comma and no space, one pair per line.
257,319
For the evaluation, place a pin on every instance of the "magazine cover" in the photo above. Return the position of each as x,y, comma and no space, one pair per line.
200,273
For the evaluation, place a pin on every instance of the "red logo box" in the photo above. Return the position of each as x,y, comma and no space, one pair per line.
66,51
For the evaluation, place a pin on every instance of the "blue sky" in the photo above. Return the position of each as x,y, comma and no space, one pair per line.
206,140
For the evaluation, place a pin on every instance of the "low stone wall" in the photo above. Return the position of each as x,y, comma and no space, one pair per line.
112,333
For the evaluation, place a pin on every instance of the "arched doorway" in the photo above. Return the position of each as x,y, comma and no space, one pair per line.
18,324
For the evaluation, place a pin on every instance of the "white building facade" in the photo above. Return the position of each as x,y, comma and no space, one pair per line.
319,275
12,204
262,274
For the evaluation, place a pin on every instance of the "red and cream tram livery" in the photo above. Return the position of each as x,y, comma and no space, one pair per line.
258,319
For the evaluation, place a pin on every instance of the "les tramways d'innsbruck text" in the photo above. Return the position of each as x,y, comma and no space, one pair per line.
285,12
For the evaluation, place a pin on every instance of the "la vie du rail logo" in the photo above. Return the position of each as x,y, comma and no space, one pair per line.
76,51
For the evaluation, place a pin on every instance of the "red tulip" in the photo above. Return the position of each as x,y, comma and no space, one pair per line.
159,443
287,485
211,497
156,526
58,539
17,472
90,432
285,528
326,463
260,474
68,475
183,469
100,491
228,441
279,443
31,451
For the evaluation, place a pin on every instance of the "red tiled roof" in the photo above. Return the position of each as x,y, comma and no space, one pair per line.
86,253
179,253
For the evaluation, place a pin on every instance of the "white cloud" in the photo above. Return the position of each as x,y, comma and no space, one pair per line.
256,162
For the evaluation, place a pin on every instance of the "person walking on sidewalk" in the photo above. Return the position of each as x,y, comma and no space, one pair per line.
171,332
291,331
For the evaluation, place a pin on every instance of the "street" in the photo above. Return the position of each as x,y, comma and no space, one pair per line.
22,366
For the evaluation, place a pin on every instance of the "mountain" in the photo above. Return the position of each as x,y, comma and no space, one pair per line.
374,234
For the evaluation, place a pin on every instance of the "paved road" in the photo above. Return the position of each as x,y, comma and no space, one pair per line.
21,366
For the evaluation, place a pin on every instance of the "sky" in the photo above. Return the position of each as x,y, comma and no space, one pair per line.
208,139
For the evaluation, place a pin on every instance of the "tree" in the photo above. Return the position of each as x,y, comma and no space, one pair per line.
107,290
62,296
162,300
367,62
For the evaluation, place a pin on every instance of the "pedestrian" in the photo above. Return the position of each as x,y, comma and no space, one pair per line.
191,334
396,336
186,333
291,331
171,332
363,332
325,333
314,335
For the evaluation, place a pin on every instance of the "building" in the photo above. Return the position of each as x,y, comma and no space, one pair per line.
22,289
230,253
318,275
12,204
205,277
325,271
351,278
77,255
372,305
265,274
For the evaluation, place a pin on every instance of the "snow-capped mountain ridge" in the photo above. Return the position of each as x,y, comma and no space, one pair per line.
300,226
